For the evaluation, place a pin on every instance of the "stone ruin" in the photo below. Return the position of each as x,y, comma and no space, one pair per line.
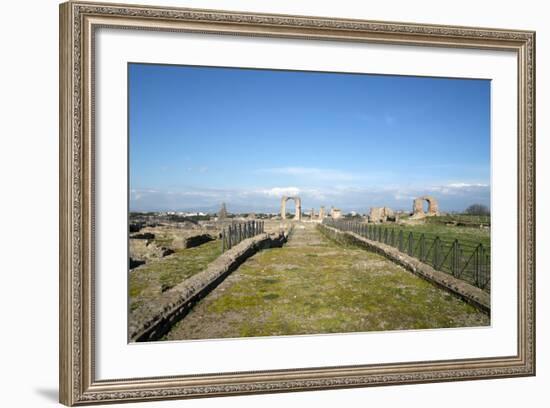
381,214
335,213
418,207
298,205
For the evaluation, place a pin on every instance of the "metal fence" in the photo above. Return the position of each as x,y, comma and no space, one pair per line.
468,261
232,234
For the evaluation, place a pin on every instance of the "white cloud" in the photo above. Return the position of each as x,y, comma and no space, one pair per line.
460,188
466,185
280,191
452,196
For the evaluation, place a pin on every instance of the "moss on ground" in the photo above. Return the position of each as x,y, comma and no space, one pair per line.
152,279
322,287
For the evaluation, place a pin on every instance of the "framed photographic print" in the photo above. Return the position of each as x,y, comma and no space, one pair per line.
256,203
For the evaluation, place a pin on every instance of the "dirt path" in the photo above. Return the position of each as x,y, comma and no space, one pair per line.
313,285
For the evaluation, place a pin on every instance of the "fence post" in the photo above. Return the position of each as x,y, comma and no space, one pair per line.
436,254
487,267
478,258
400,240
454,259
422,248
410,248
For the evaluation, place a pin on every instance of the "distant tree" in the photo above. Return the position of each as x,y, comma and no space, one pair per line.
478,209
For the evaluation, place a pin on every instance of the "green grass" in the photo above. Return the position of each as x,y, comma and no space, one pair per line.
468,238
154,278
465,220
322,288
466,235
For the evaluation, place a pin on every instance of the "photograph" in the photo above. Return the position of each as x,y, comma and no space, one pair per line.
273,199
268,202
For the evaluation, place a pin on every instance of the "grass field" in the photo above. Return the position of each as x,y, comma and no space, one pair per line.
461,219
467,235
152,279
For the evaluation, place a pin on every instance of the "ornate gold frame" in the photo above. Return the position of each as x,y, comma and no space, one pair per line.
78,20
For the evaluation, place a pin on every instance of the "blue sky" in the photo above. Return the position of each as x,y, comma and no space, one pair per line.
200,136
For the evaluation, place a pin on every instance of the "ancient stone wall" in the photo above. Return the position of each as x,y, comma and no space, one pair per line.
418,207
197,240
469,293
380,214
154,319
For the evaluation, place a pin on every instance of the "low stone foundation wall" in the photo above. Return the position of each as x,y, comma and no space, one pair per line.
197,240
154,319
469,293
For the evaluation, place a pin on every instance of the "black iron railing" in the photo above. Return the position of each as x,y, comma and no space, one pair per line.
468,261
234,233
